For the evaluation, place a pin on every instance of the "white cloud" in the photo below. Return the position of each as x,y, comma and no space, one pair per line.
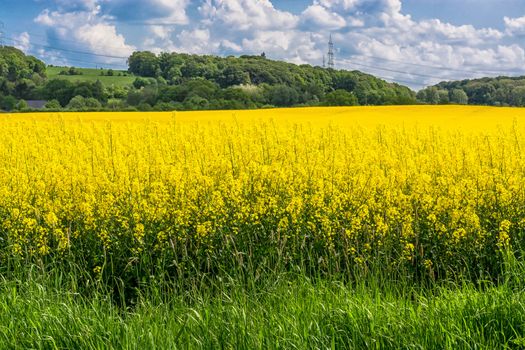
196,41
247,15
52,57
231,46
375,33
103,39
388,40
89,30
515,26
84,5
317,16
23,41
172,12
161,32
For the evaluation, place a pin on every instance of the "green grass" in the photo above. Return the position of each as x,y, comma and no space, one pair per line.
46,311
91,75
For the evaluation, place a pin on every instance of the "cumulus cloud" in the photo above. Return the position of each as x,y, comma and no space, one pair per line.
169,12
89,30
376,36
317,16
23,41
196,41
515,26
386,42
245,15
76,5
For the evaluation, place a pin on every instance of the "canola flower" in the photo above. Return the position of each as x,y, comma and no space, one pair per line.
431,189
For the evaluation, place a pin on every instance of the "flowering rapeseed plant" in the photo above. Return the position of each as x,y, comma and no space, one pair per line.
422,187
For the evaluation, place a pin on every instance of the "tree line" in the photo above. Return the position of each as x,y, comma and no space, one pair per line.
177,81
499,91
174,81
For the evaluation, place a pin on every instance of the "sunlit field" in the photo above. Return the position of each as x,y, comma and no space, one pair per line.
435,190
377,197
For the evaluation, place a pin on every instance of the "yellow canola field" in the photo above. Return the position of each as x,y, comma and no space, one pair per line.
429,188
470,118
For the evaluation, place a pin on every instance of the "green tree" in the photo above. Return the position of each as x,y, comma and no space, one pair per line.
200,87
115,104
92,103
144,107
517,97
22,105
134,98
282,95
443,97
344,80
233,75
140,82
144,63
340,98
8,103
53,104
432,95
60,90
458,96
77,103
195,102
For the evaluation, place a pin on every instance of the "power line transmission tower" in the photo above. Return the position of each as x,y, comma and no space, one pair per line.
324,63
331,53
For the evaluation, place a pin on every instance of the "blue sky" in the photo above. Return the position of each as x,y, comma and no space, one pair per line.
414,42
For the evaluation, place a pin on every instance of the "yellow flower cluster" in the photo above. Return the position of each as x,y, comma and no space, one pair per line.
424,187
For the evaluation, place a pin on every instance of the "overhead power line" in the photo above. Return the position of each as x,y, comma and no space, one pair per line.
396,71
353,62
400,81
67,50
433,66
96,64
105,47
465,71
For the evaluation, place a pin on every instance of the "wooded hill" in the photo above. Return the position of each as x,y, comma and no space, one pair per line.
175,81
186,82
256,81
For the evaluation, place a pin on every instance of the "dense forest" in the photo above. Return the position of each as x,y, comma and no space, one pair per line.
500,91
172,81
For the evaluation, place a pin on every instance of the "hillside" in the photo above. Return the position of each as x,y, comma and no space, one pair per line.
499,91
290,84
107,77
173,81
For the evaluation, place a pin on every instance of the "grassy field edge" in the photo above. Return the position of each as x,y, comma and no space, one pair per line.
288,311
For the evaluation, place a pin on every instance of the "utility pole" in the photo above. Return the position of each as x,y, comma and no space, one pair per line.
324,63
331,63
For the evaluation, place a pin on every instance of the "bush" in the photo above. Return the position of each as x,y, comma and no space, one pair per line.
92,104
8,103
115,104
340,98
144,107
53,104
77,103
22,105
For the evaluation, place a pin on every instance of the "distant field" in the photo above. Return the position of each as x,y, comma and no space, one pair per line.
92,74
